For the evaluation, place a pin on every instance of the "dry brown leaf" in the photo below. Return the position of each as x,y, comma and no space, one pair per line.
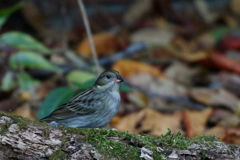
105,43
24,96
25,111
232,136
151,122
164,86
195,121
190,51
218,131
180,72
215,97
115,120
9,105
138,98
193,56
231,121
129,67
153,37
226,134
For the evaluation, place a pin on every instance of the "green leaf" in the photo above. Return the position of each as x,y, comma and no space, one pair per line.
79,76
22,41
54,99
86,85
5,13
8,82
27,59
219,33
125,88
26,82
90,83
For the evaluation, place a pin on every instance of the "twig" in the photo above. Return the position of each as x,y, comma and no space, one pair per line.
103,13
89,34
134,48
76,60
79,63
203,10
63,11
181,100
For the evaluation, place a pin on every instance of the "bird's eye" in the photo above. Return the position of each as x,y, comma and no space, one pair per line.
108,76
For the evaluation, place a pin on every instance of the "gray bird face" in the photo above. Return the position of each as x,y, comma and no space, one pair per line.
108,78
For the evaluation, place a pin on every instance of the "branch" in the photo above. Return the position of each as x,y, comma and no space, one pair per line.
21,138
132,49
89,34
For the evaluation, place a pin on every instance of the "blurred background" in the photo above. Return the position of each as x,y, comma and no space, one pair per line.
180,60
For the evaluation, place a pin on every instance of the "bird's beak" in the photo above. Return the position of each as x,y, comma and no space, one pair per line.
118,80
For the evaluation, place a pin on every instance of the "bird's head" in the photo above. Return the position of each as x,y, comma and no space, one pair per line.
108,80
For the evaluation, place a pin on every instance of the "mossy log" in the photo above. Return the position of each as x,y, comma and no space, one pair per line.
21,138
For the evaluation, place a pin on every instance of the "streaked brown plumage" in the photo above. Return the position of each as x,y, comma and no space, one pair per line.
94,107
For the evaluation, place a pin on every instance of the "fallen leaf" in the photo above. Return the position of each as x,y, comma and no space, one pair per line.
9,105
105,44
229,81
24,95
195,121
231,41
115,120
158,85
218,97
218,131
232,136
138,98
151,122
193,56
180,72
168,87
25,111
233,6
223,62
226,134
153,37
130,67
190,51
231,121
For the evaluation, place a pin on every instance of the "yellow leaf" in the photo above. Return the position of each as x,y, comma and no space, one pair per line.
105,44
129,67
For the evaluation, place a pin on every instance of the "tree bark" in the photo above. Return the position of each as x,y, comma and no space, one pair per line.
40,141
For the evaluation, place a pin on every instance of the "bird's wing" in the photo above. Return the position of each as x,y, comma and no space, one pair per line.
78,106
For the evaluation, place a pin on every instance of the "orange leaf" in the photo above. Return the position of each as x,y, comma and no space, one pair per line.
129,67
115,120
195,121
105,43
25,111
151,122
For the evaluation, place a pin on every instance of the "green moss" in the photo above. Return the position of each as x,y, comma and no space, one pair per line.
103,142
121,145
205,140
58,155
203,153
177,141
4,129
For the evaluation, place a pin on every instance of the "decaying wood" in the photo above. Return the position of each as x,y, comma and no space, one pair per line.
40,142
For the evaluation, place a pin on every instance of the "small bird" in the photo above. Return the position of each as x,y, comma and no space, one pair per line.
92,108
